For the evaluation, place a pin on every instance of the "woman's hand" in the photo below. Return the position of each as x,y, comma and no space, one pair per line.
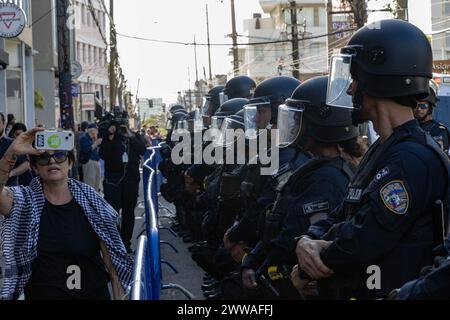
23,144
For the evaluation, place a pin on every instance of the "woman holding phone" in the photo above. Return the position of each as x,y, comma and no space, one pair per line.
60,239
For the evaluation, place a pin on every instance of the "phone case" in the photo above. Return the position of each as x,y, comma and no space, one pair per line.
55,140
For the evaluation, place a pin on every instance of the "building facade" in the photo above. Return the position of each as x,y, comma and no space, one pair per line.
268,60
16,81
46,62
150,107
91,54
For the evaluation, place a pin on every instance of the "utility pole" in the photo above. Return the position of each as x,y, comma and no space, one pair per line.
112,63
330,29
196,63
64,65
209,44
139,120
190,92
234,37
295,52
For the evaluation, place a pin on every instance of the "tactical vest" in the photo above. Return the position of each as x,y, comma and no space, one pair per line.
274,215
359,190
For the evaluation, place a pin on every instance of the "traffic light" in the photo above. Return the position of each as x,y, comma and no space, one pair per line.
150,103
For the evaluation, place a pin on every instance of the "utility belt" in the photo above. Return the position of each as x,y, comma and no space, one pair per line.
273,222
276,280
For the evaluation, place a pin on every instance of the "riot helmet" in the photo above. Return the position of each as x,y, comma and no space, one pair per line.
211,103
176,108
387,59
427,104
229,108
262,110
239,87
306,115
232,130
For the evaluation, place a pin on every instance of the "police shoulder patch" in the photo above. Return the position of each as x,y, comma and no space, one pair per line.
395,197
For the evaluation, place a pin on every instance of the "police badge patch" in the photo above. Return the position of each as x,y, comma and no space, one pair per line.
395,197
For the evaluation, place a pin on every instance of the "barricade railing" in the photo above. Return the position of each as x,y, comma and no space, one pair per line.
147,277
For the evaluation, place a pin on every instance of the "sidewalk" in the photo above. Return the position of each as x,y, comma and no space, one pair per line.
190,276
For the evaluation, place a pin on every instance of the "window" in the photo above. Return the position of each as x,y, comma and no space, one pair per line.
95,56
259,53
89,17
447,7
83,15
79,52
316,17
85,54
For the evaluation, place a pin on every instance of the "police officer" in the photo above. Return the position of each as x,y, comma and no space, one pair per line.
424,112
211,104
386,222
269,95
257,190
204,253
434,285
313,190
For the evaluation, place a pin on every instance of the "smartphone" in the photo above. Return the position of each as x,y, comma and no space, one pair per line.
55,140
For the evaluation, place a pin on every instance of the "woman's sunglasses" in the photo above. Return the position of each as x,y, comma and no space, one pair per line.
59,157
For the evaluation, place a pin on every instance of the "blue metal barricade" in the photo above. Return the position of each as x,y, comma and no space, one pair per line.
147,271
147,277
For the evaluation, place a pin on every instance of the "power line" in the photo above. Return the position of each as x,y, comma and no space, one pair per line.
229,44
43,16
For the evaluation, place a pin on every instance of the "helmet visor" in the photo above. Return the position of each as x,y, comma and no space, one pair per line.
230,132
182,125
216,122
339,82
291,120
198,121
257,117
205,105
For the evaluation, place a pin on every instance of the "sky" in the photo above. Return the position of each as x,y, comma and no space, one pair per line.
163,68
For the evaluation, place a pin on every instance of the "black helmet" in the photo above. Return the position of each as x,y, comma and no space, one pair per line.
239,87
389,59
179,115
432,98
307,108
268,95
231,123
231,107
213,101
176,108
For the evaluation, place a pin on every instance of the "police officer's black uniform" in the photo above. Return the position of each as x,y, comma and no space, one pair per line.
439,133
388,207
313,189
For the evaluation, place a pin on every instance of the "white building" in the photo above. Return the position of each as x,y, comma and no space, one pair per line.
267,60
16,82
90,44
150,107
432,17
